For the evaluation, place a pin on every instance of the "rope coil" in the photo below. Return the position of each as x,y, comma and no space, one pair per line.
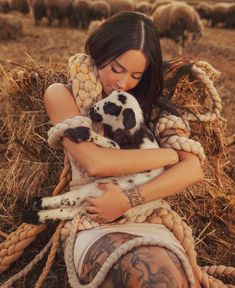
213,94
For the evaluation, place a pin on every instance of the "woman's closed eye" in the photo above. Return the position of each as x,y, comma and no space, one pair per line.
117,69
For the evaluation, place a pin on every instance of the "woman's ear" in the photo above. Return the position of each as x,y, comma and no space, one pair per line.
129,120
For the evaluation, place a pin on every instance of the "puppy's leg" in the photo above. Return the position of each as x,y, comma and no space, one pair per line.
68,199
80,134
42,216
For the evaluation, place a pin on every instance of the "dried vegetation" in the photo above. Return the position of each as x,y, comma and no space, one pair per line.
29,167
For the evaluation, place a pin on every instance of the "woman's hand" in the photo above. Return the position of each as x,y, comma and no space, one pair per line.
111,205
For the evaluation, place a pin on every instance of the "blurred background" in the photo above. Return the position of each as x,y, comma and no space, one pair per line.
45,33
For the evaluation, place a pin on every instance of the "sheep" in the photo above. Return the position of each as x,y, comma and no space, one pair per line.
19,5
10,27
81,14
4,6
144,7
100,10
204,10
123,118
58,9
159,3
230,19
120,5
39,11
219,13
177,21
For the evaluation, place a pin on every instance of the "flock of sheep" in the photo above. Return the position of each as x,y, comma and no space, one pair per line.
174,19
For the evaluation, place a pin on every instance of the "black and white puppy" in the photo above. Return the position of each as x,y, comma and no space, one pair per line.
123,122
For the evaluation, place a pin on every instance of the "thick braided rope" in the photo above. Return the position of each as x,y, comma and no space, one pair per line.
206,74
209,69
178,142
197,70
13,246
3,234
69,260
51,256
86,85
56,133
172,121
220,270
183,143
28,268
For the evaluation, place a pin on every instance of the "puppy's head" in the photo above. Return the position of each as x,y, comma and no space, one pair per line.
120,110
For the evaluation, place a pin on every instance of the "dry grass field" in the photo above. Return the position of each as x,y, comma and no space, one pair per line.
49,46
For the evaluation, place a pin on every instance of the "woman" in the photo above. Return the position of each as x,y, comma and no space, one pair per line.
127,53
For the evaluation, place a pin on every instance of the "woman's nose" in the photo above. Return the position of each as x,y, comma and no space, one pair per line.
122,83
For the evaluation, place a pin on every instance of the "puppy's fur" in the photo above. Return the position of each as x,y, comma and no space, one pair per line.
123,122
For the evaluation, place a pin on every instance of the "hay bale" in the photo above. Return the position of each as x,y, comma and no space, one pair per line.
29,166
10,27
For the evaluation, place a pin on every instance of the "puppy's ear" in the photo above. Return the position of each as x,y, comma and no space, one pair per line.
129,120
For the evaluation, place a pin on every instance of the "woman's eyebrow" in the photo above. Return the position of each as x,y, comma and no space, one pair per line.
119,64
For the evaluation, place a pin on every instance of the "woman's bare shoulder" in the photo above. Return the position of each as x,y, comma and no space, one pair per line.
59,103
57,90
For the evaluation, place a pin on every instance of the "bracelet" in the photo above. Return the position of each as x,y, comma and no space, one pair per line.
134,196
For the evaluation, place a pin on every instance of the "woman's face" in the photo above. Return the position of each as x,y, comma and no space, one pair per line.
123,73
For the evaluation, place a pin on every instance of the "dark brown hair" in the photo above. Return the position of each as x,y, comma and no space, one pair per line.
131,31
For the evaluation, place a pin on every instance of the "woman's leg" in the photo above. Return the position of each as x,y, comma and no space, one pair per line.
145,266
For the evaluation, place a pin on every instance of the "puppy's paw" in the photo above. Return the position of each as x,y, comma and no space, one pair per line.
78,134
36,204
30,217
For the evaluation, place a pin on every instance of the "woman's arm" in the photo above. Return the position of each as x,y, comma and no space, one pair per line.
183,174
98,161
